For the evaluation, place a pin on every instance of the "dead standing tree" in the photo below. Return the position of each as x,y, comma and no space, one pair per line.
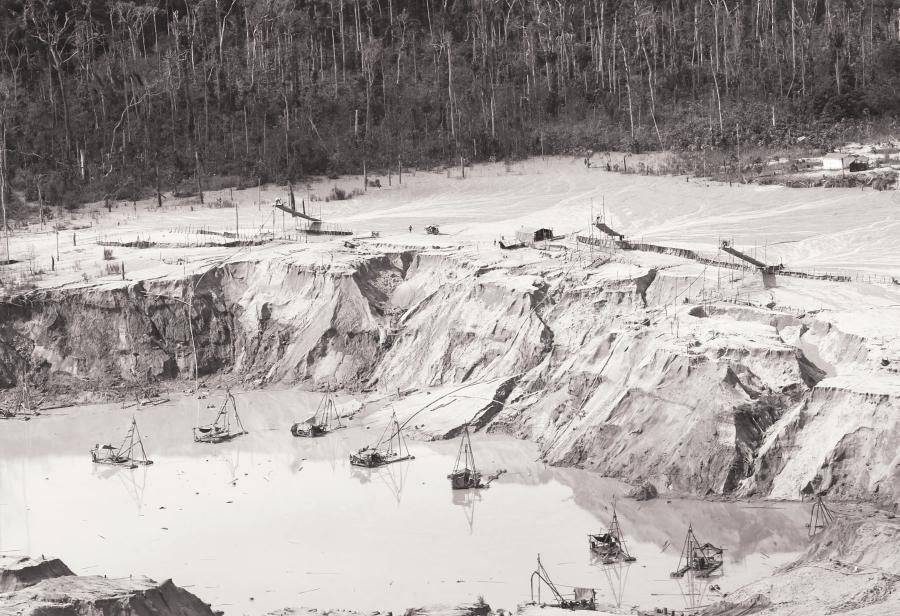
714,64
645,25
64,37
138,89
370,56
3,184
7,96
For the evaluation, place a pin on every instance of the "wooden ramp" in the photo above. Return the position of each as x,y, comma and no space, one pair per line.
727,247
609,231
293,212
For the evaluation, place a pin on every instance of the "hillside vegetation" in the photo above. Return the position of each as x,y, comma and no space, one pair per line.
114,99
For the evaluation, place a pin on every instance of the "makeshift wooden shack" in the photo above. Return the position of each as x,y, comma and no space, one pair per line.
838,161
528,236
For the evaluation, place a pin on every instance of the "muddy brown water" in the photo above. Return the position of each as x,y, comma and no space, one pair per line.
269,520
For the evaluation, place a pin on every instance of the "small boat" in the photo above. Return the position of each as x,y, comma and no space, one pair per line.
226,426
130,453
386,450
704,559
326,419
465,476
609,547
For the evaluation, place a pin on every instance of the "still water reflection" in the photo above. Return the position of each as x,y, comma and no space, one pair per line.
269,520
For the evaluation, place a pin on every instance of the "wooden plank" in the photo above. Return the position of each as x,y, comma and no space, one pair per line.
295,213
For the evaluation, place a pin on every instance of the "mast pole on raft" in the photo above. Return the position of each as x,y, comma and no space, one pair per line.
470,455
237,418
140,440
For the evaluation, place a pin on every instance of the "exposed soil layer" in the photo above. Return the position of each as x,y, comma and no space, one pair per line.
593,362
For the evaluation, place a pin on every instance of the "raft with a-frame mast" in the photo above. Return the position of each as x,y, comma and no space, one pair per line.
704,559
465,476
326,419
386,450
609,547
130,453
226,426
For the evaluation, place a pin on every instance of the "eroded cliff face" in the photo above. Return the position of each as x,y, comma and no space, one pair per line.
625,393
596,364
841,439
96,338
269,322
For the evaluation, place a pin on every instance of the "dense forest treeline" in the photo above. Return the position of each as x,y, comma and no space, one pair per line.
112,98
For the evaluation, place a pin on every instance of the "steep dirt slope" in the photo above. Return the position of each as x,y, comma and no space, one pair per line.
842,438
267,320
627,367
626,395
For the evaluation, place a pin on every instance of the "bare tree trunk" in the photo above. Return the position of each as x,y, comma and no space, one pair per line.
287,129
368,103
334,62
246,134
793,41
628,88
600,45
197,172
65,105
837,71
450,86
650,86
3,190
718,97
158,191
